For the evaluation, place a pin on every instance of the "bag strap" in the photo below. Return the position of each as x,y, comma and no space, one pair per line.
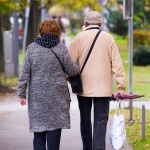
119,107
58,59
90,50
61,66
87,55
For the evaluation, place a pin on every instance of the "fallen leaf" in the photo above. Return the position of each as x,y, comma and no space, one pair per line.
7,94
146,145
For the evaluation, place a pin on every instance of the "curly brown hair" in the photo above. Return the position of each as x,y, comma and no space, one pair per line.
49,26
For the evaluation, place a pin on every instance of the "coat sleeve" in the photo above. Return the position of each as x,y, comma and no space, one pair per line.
117,68
70,67
24,76
73,51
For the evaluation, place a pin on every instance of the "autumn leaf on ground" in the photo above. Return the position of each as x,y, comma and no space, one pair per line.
147,145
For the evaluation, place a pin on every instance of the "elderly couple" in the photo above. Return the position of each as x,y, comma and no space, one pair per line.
48,96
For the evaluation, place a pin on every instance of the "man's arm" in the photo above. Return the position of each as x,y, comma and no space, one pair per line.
117,69
73,51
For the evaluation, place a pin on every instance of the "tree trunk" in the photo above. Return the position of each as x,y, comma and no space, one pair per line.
1,47
6,22
34,20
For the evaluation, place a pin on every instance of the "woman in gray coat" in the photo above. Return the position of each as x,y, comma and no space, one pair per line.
48,95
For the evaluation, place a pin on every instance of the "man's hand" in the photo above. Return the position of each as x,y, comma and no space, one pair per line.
116,96
22,101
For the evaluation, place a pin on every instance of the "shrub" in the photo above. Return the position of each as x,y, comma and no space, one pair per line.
116,24
141,37
141,56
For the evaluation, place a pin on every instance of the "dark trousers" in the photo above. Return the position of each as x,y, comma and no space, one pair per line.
51,137
101,112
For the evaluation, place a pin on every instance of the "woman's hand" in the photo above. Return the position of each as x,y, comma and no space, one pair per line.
22,101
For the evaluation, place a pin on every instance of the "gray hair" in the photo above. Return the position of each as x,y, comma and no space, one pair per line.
88,24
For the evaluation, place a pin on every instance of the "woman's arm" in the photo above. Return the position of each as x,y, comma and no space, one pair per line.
71,68
24,76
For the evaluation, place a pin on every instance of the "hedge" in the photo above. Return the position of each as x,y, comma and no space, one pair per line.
141,37
141,56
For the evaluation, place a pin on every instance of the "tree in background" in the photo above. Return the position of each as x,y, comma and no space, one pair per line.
76,9
75,5
141,16
1,48
34,20
6,9
115,20
116,24
147,10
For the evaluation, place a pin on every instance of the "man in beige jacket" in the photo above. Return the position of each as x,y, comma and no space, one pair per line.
103,63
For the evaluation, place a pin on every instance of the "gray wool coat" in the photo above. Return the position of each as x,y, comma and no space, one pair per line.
48,97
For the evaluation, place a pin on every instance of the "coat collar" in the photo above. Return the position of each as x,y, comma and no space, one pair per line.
91,26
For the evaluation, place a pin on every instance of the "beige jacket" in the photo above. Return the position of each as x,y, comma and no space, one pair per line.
104,61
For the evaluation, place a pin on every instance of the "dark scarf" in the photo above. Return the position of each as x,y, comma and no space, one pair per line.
47,40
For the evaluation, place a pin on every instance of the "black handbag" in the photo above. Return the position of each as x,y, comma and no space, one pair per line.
75,81
76,84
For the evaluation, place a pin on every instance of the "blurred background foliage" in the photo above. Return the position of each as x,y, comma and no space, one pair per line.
141,16
116,24
141,56
6,9
74,5
141,37
8,6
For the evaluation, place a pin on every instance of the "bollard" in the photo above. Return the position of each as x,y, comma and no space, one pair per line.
143,121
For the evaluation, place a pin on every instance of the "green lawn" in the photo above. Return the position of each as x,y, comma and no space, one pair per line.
9,82
21,58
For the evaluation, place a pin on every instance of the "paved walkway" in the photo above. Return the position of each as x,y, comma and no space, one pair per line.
15,135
